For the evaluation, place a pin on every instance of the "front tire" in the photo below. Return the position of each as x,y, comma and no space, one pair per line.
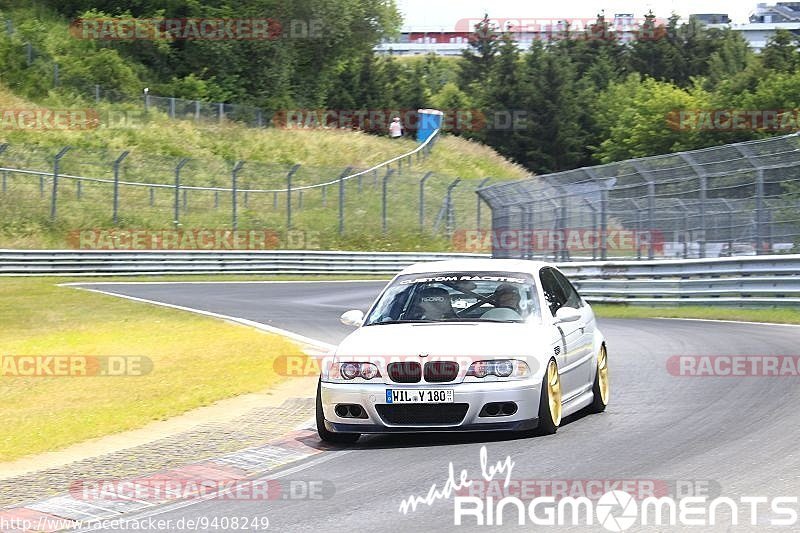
601,388
550,401
324,434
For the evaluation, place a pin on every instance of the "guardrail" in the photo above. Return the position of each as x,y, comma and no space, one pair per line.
761,280
116,263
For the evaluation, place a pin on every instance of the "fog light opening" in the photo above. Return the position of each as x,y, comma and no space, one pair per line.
509,408
492,409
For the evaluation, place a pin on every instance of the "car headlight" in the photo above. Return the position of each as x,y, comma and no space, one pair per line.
502,368
352,370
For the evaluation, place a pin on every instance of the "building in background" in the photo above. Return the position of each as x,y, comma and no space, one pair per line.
780,12
764,22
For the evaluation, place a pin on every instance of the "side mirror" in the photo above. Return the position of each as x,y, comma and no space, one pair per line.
352,318
567,314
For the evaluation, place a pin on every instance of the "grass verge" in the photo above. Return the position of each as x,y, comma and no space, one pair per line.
196,361
775,315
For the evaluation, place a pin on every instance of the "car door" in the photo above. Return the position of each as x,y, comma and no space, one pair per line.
583,357
571,350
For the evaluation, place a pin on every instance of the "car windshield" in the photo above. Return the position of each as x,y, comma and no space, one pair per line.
457,296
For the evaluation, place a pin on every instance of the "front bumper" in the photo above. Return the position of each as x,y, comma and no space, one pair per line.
525,394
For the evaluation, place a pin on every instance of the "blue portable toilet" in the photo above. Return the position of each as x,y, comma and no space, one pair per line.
430,120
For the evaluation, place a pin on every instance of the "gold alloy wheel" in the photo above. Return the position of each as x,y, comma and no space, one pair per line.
554,392
602,375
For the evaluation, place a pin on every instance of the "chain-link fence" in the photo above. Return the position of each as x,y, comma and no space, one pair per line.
738,199
69,190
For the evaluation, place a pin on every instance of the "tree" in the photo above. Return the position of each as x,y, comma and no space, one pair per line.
640,117
780,53
553,140
478,58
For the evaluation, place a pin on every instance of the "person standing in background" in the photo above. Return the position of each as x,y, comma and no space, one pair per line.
395,128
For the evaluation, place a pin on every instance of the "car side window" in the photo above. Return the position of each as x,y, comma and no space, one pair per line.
553,292
573,298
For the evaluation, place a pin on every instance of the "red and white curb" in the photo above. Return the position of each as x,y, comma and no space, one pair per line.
67,512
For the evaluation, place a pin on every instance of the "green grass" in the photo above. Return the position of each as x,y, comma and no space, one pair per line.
785,315
157,144
189,354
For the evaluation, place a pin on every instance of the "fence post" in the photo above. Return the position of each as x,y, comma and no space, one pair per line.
300,199
449,218
324,195
237,166
172,107
384,206
759,211
197,110
730,224
185,200
56,166
117,163
97,94
5,172
341,198
177,206
478,203
246,199
651,213
594,226
604,222
221,112
422,200
216,199
152,196
291,173
78,189
55,75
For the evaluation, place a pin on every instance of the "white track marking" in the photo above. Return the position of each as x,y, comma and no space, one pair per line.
728,321
245,322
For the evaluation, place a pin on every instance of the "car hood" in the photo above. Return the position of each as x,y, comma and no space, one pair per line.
446,340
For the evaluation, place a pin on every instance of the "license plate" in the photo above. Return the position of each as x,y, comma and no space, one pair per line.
419,396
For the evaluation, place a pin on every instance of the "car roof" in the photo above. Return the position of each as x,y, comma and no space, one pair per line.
476,265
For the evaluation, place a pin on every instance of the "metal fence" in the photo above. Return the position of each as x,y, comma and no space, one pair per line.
78,188
737,199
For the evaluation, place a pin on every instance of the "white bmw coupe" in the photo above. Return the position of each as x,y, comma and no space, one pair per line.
465,345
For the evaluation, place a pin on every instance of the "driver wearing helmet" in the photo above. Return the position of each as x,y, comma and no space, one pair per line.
434,304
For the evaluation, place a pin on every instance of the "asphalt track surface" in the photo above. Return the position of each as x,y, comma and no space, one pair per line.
736,435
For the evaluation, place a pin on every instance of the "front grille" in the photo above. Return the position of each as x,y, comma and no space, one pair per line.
423,414
405,372
441,371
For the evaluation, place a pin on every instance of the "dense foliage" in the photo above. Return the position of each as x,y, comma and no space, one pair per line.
581,98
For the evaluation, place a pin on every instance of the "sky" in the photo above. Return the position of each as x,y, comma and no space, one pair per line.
443,14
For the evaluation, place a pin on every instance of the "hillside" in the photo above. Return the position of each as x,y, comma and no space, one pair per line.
157,144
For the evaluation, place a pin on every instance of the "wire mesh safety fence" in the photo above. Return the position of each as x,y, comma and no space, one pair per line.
87,189
738,199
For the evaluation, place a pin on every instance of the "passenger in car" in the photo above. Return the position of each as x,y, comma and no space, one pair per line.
506,295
